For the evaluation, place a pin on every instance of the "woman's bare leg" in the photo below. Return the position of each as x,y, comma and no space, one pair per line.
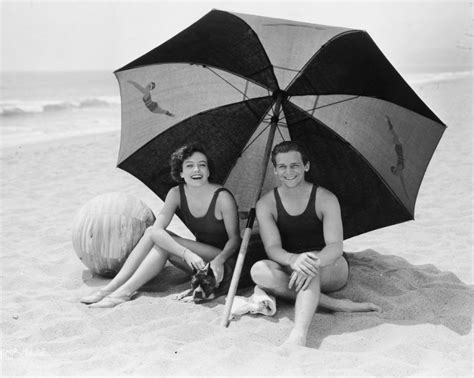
150,267
139,271
131,264
205,251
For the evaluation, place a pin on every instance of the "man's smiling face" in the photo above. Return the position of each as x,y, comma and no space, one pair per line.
290,168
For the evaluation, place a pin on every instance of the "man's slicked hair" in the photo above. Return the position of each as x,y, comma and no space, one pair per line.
288,146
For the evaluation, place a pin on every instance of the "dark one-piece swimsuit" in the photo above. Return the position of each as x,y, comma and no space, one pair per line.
210,230
207,229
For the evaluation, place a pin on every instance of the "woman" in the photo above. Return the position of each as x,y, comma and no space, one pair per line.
301,229
208,210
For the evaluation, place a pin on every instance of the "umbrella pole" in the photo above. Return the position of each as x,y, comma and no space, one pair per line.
248,228
238,269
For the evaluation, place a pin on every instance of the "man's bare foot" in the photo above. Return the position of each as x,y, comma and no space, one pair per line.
295,339
346,305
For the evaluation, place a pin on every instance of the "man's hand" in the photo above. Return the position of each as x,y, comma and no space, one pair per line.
307,263
299,281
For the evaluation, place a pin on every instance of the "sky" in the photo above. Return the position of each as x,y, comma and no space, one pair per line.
106,35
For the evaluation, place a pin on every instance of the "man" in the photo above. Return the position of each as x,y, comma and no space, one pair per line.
301,229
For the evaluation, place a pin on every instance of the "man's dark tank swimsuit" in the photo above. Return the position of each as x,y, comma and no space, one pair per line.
303,232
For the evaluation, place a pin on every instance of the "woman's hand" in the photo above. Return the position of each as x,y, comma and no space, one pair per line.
217,266
193,260
307,263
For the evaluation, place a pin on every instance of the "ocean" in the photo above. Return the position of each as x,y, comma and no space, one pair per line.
42,106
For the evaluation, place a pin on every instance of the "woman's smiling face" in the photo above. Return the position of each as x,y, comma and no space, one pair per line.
290,168
195,169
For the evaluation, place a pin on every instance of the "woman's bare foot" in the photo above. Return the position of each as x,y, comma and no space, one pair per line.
96,296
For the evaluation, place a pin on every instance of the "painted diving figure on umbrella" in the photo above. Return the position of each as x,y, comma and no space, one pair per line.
398,169
149,103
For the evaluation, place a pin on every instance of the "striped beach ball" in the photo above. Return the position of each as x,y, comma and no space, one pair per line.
107,228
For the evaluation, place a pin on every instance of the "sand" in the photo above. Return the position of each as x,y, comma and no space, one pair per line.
420,272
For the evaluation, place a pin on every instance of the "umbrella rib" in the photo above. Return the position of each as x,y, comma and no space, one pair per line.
264,69
287,69
254,139
260,133
315,105
269,120
281,134
232,85
331,104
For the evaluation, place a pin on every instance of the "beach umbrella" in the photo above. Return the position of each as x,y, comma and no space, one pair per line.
239,84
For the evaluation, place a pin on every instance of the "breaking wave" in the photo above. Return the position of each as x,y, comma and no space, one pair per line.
24,108
428,78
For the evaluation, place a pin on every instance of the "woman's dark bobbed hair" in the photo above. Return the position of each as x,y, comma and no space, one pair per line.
181,154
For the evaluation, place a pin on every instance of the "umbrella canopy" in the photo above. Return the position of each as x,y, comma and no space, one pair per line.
237,83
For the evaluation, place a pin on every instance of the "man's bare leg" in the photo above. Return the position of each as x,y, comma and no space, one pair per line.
271,277
274,279
305,307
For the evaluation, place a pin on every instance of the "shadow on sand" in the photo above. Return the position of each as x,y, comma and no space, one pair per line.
408,294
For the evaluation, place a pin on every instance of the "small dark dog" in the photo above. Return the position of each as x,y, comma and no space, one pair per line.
204,285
